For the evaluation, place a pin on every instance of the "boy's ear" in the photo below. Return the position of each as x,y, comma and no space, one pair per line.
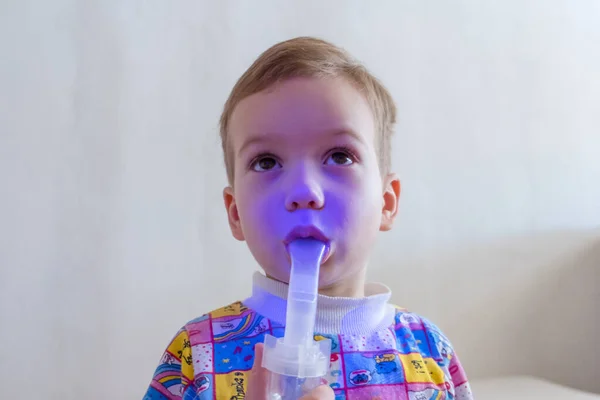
391,196
232,213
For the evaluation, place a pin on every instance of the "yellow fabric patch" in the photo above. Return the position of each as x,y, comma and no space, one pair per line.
181,348
233,385
421,370
231,310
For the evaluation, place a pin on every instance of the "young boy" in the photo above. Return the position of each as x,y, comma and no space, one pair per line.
306,139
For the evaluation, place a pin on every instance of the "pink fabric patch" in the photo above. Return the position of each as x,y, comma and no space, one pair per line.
456,371
199,332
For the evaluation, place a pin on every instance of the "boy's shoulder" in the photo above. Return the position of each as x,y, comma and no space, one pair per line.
233,321
233,310
405,318
410,324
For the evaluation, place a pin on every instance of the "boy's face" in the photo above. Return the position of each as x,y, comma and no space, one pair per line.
305,157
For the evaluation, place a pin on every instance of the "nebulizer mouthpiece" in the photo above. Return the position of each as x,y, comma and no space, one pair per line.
296,362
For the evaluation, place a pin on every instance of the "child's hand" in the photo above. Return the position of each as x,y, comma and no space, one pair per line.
323,392
257,383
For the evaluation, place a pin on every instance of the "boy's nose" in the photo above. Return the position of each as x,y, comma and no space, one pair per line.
306,195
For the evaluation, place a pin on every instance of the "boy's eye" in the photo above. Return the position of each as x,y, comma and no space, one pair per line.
265,164
339,158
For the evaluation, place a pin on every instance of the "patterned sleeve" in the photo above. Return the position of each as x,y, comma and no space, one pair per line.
443,350
175,372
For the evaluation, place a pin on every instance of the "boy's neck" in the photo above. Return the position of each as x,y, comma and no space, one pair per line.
352,286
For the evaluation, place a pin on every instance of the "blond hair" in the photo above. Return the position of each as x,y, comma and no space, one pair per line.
311,57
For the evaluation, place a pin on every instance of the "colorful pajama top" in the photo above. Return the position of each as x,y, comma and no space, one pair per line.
404,356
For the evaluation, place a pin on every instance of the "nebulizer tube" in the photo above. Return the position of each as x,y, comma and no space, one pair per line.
296,362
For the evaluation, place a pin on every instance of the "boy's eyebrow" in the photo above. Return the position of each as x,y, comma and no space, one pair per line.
348,132
250,141
334,132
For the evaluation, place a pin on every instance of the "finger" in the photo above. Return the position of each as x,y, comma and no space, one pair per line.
257,380
258,355
322,392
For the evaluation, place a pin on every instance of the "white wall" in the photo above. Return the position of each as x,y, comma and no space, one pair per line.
112,232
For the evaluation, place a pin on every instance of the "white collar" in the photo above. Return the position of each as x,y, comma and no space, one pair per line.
335,315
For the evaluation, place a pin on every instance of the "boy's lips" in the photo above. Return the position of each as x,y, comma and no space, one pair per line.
309,232
305,232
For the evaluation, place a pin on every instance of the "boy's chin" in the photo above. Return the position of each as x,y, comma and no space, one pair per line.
328,277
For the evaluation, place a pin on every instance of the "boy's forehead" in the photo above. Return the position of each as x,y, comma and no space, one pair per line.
308,107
